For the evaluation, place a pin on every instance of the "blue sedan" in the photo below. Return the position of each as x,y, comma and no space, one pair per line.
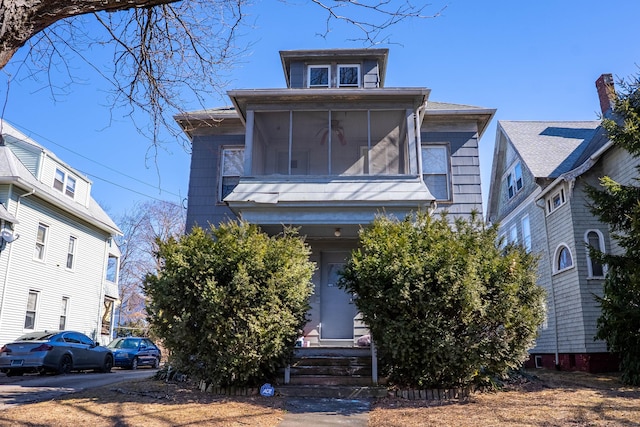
131,352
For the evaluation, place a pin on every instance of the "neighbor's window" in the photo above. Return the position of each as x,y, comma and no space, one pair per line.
514,180
563,258
71,252
58,180
64,183
319,75
231,168
349,75
32,306
594,239
41,240
63,313
555,201
526,233
112,268
107,316
435,170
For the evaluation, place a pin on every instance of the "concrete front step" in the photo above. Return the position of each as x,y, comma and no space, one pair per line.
346,370
331,391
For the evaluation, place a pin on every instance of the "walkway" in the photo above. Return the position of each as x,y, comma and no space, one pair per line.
321,412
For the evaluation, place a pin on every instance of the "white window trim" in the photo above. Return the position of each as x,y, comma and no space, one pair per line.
549,207
36,310
340,66
526,238
511,172
448,173
65,183
45,243
324,66
602,249
221,170
513,234
556,254
74,254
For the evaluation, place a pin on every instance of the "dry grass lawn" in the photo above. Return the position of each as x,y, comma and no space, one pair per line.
555,399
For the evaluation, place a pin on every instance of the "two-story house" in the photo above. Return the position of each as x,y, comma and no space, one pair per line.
327,154
537,194
58,259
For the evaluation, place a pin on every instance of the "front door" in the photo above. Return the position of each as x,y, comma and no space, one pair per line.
337,309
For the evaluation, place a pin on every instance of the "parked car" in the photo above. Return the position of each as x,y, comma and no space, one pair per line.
131,352
57,351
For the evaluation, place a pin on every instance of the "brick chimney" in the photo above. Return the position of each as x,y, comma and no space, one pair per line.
606,92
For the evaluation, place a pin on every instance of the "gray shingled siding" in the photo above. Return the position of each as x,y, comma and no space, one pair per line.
465,171
370,74
296,75
203,180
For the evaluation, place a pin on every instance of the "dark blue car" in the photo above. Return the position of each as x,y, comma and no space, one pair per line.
131,352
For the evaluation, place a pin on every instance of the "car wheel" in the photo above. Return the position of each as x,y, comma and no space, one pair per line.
108,363
65,365
134,363
156,363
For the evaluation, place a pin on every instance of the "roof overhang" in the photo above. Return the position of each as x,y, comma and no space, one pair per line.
482,116
413,98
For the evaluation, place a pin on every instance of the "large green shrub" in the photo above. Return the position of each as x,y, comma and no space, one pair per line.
445,303
229,304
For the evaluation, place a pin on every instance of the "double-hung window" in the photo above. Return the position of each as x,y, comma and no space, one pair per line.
514,180
41,242
231,168
64,183
435,170
32,307
349,75
526,233
64,306
112,269
319,75
71,252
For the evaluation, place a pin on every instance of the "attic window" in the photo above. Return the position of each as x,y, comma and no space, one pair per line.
64,183
514,180
319,75
349,75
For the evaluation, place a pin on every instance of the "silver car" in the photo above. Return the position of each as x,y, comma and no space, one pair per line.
56,351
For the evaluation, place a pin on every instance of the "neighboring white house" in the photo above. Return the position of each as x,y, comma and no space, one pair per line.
58,259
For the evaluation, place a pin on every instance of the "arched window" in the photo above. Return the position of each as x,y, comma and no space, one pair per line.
563,259
594,239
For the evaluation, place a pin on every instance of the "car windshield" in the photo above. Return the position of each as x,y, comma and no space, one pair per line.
125,343
36,336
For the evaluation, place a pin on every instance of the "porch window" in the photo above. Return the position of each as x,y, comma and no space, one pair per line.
332,142
435,170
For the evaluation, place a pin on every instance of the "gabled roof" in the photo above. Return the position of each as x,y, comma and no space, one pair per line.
13,171
550,149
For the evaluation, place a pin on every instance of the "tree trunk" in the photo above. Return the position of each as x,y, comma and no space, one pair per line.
22,19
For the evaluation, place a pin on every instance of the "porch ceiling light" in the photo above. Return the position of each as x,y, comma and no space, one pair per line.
337,232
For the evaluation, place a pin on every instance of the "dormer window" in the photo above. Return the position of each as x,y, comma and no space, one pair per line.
349,75
64,183
319,75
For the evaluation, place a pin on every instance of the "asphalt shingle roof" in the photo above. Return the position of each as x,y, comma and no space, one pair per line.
550,149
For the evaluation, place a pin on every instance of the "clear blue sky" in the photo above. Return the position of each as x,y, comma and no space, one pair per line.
529,60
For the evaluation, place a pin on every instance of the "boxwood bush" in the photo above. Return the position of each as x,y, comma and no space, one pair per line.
446,303
228,303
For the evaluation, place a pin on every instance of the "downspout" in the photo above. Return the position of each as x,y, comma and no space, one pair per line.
553,288
6,276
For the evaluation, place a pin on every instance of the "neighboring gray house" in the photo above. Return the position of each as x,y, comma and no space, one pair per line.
327,154
58,260
537,194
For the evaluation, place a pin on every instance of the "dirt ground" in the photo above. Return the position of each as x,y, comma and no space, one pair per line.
551,399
